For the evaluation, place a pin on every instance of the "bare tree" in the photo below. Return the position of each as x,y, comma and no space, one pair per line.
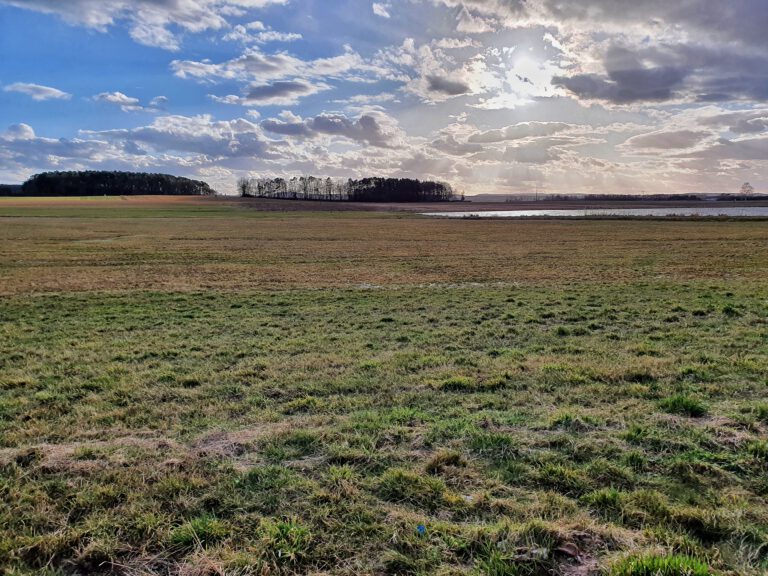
364,190
747,189
244,187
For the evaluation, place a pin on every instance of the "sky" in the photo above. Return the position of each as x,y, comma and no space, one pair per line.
492,96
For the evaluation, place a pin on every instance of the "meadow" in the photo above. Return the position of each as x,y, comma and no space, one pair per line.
203,389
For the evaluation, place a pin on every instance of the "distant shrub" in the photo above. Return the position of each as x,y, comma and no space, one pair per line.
730,311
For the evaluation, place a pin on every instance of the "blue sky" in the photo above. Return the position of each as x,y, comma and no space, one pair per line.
491,95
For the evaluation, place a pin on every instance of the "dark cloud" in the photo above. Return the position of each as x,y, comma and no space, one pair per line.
278,92
735,20
287,128
627,79
365,129
662,73
450,145
447,86
741,122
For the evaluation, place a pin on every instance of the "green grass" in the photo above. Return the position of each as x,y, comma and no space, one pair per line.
661,566
685,405
295,431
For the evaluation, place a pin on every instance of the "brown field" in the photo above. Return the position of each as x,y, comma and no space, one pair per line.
269,205
235,249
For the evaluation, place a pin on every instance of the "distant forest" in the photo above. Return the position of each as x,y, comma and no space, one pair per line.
364,190
100,183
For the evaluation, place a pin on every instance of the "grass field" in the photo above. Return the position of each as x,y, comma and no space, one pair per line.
205,389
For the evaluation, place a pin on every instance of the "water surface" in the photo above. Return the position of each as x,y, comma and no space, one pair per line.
726,211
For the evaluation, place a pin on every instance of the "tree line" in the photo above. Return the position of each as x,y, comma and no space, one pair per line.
98,183
363,190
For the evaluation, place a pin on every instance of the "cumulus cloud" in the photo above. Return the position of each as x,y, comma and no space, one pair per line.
126,103
373,128
19,132
129,103
158,102
149,21
21,147
643,51
199,134
37,92
430,73
256,65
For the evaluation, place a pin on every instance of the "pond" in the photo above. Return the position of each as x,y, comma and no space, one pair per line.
725,211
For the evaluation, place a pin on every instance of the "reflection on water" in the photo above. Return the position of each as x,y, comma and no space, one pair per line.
733,212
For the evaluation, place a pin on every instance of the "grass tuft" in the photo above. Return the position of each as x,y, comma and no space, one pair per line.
202,531
650,565
684,405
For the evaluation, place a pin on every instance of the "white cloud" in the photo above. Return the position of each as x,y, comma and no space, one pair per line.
382,10
125,102
19,132
256,65
37,92
149,21
129,103
158,101
258,33
201,135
